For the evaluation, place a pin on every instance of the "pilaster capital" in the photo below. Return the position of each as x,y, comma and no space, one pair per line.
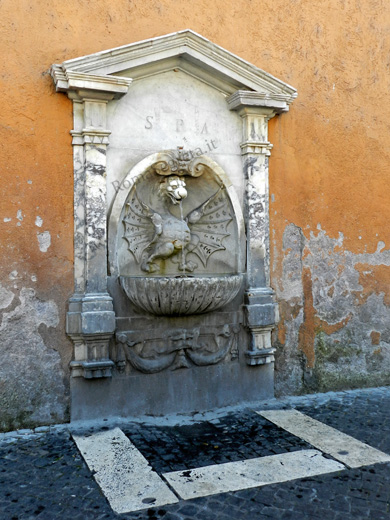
90,136
256,148
90,121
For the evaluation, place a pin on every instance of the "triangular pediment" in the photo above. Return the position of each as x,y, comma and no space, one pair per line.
186,51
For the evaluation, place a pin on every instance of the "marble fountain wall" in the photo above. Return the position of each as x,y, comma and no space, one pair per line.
172,310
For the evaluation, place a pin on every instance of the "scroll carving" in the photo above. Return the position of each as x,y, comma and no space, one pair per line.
179,348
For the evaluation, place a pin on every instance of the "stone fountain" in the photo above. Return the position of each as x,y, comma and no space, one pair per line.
184,242
172,309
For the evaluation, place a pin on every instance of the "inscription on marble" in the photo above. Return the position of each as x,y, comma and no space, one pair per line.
178,124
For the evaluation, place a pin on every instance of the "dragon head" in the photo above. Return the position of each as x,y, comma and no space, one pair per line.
173,187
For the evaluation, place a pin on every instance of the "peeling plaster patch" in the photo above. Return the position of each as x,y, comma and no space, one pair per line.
334,306
333,266
374,279
6,219
6,297
33,278
31,377
288,363
44,240
19,215
293,244
38,221
289,290
29,182
13,275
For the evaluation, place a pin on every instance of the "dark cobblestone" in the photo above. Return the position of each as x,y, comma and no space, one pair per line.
239,436
45,477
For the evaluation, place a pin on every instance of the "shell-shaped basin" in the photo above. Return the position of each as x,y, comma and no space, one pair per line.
179,296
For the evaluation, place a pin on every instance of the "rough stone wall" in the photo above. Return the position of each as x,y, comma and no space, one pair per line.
329,182
32,385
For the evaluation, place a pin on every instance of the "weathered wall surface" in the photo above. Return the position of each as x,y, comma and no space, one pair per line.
334,331
329,199
329,182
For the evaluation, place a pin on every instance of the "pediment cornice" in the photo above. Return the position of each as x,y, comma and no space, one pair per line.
114,69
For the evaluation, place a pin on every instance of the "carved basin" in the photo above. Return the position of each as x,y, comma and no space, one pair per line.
182,295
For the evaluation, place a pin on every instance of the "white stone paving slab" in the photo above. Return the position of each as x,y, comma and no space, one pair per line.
123,474
235,476
339,445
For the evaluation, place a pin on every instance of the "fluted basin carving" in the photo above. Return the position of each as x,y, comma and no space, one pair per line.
182,295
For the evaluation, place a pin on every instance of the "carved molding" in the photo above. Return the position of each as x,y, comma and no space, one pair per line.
81,84
260,357
92,369
272,103
184,50
256,148
261,351
178,348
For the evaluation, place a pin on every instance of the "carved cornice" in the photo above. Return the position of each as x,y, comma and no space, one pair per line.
184,50
89,85
268,103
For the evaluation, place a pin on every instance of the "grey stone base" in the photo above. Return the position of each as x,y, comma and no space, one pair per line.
179,391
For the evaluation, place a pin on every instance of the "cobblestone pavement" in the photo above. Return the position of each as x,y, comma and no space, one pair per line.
43,476
241,436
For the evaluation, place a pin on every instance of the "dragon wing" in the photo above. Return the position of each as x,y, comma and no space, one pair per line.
208,224
139,226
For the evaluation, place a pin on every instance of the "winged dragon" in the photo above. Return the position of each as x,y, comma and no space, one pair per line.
155,234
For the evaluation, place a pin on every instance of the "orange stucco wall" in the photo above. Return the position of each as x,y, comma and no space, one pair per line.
329,181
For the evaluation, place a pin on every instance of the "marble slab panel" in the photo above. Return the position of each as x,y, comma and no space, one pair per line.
342,447
235,476
124,475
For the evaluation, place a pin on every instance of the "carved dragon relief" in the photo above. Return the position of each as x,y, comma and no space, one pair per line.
155,234
179,348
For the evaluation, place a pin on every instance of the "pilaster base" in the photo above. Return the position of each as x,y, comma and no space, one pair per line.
261,351
261,315
91,325
92,369
260,357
